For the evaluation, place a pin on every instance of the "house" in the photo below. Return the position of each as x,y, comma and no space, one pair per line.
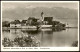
15,24
48,20
30,23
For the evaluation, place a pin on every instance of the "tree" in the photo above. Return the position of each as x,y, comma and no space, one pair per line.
32,21
63,25
17,21
5,24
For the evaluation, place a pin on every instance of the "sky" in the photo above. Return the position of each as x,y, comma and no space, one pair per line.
13,5
29,5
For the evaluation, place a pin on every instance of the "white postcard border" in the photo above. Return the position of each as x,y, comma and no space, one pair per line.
40,48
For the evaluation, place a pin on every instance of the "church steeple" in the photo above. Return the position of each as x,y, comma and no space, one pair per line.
42,15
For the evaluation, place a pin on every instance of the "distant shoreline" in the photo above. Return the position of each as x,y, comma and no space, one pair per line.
71,27
25,28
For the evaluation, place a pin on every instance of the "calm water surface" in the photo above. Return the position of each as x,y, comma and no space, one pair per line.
47,37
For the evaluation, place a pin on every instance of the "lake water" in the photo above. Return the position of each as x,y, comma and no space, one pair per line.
46,37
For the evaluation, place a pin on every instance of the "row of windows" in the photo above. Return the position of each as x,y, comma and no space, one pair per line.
15,26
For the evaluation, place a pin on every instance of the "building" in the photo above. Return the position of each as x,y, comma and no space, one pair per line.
48,20
15,24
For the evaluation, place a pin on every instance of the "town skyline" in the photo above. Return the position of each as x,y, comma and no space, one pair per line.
24,10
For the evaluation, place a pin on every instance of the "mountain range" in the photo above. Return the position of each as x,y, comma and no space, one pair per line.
64,15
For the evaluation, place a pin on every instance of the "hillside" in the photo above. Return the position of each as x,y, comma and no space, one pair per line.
64,15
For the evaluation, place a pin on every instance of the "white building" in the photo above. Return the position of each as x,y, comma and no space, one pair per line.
15,25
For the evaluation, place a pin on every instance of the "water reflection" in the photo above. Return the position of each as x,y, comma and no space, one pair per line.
45,37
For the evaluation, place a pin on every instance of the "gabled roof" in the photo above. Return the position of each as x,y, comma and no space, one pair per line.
48,18
15,22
